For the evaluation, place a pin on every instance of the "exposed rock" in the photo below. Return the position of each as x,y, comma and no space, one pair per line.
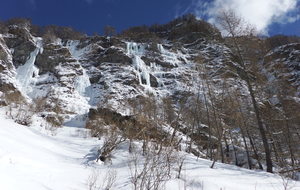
51,57
22,52
95,78
153,81
22,43
157,61
112,55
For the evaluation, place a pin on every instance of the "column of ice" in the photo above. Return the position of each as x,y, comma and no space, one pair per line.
82,82
27,73
168,56
143,71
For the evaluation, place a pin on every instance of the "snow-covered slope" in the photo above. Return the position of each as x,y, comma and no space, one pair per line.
32,159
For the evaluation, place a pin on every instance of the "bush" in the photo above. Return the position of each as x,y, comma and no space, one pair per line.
21,22
139,34
51,114
62,32
3,28
21,113
110,143
152,170
279,40
185,25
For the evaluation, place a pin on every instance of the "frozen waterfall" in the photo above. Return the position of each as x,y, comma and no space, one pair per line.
27,73
143,71
82,83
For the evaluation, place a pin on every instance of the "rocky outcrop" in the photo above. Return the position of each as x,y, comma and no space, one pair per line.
52,56
9,90
283,65
111,55
153,81
21,42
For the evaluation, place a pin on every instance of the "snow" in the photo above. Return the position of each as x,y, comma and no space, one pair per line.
32,158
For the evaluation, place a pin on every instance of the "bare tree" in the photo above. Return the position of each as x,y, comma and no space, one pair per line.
109,31
235,26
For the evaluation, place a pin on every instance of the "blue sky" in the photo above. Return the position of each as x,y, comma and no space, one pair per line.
92,15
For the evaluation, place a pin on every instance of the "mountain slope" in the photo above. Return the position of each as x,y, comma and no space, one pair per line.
178,85
32,159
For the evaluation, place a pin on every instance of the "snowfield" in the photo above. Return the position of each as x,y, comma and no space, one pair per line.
32,158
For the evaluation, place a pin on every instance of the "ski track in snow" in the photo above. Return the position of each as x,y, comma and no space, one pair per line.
31,158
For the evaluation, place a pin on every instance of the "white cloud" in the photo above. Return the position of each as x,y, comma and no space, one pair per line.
259,13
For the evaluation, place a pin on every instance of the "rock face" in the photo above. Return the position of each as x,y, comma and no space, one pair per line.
53,55
8,90
98,70
98,77
283,63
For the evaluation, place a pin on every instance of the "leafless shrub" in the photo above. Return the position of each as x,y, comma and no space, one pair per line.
152,170
109,30
22,22
180,161
49,36
54,120
52,114
21,113
110,143
97,127
94,182
286,181
63,32
109,179
12,96
3,27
